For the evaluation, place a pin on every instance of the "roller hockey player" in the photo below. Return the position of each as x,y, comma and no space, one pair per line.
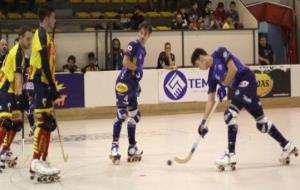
127,90
226,70
12,100
42,68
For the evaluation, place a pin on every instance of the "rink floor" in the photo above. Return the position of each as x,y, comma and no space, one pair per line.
162,137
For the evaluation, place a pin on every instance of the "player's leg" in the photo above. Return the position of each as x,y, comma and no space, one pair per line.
45,124
121,116
6,153
264,125
134,116
230,116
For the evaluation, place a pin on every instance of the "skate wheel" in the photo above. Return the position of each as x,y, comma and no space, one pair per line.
233,168
39,179
221,168
32,177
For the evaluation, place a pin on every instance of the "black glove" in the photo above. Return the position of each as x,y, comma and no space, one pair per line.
202,129
22,102
54,94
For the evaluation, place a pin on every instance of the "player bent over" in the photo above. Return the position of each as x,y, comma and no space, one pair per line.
127,90
42,69
12,101
227,71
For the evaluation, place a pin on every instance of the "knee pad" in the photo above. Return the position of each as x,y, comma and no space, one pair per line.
134,117
48,122
264,125
6,123
122,114
230,115
17,125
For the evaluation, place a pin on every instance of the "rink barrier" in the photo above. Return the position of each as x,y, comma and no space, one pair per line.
97,91
166,109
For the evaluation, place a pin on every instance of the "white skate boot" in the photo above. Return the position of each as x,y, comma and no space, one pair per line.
44,172
287,151
134,154
228,159
9,158
115,155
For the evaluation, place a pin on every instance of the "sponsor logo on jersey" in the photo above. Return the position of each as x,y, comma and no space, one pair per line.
175,85
244,84
264,84
121,87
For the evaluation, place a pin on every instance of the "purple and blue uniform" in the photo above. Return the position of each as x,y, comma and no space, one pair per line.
127,85
127,90
244,86
244,83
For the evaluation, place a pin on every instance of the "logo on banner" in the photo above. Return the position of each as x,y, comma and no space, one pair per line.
175,85
265,84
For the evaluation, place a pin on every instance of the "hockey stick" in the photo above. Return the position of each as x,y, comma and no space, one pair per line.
195,144
65,156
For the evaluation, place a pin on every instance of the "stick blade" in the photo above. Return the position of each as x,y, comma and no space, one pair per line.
183,160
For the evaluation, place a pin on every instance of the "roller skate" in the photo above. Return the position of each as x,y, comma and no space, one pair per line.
2,166
9,159
115,156
288,150
228,159
134,154
43,172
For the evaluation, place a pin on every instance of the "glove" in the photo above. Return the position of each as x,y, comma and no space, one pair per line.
54,94
22,102
202,129
139,73
222,93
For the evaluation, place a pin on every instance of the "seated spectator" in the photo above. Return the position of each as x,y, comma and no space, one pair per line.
220,13
214,23
234,14
92,63
137,18
166,59
71,66
266,53
228,24
116,56
207,14
179,23
195,12
3,51
193,24
183,11
208,9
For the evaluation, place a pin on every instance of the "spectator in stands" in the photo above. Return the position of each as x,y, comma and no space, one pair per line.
228,24
195,12
166,59
3,51
137,17
92,63
179,23
220,13
266,53
183,11
207,14
71,66
116,56
214,23
234,14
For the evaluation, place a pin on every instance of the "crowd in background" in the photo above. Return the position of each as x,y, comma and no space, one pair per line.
195,18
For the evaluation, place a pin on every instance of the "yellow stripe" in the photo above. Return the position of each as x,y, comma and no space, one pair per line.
43,110
6,114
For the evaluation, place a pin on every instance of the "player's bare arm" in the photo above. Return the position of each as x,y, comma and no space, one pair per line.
130,64
209,104
232,70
